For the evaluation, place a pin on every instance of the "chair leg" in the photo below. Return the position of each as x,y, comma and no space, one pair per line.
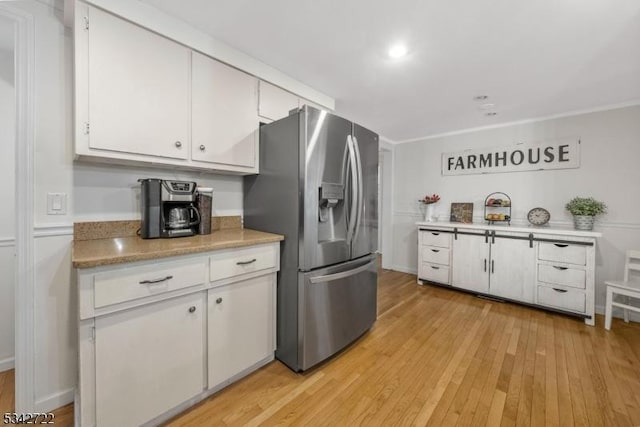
625,311
608,308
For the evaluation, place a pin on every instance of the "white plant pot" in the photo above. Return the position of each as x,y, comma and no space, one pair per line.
583,222
429,215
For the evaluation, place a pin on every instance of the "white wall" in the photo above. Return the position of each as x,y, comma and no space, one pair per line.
103,193
609,171
7,192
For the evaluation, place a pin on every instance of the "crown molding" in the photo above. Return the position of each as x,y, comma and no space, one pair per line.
633,103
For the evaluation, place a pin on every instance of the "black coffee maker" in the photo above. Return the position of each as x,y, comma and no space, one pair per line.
168,208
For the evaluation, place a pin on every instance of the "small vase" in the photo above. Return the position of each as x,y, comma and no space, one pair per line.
583,222
429,214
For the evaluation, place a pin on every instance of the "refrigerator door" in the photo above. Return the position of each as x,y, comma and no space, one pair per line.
365,240
338,305
327,186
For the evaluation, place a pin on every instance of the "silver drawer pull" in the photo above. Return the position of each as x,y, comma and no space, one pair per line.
218,300
560,268
435,250
192,309
246,262
436,234
152,281
560,245
435,268
562,291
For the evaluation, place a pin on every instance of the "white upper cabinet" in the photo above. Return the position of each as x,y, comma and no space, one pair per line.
275,103
138,89
141,97
224,120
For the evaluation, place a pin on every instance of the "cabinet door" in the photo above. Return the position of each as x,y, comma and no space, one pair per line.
149,360
138,89
470,263
241,326
275,103
225,120
512,269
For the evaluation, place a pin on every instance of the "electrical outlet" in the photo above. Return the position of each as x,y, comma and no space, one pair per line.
56,203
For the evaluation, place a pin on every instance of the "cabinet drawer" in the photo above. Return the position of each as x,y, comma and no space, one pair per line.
225,264
565,299
562,276
436,238
434,273
435,255
572,254
138,282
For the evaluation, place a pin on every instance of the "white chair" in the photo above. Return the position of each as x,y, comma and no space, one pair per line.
629,287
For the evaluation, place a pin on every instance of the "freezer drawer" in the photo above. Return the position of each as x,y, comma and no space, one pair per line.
339,305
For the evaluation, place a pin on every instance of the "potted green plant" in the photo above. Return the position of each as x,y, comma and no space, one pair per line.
584,210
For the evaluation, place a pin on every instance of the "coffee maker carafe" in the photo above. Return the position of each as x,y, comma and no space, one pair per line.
168,208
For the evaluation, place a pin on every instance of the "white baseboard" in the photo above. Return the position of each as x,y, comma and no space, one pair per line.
55,400
6,364
404,269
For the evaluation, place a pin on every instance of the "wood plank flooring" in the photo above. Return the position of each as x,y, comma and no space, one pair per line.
439,357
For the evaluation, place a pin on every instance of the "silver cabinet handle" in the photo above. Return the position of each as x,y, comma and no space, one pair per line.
485,264
178,144
435,268
219,301
435,250
202,147
562,291
192,309
152,281
492,266
436,234
560,245
246,262
560,268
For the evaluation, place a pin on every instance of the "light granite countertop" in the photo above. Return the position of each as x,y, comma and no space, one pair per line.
118,250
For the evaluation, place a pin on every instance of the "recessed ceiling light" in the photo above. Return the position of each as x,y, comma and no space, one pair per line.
487,106
397,51
480,97
491,114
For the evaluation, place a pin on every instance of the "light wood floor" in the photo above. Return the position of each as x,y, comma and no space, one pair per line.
440,357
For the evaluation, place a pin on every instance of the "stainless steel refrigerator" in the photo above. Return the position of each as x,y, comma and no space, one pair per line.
318,186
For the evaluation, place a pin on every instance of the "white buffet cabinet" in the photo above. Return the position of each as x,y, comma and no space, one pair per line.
545,267
158,336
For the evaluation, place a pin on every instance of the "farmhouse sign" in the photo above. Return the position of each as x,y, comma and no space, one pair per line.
562,154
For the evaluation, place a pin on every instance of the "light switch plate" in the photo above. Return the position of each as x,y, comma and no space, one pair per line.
56,203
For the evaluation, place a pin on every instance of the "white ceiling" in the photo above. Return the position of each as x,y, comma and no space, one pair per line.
533,58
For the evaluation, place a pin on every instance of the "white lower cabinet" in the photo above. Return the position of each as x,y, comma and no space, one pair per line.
470,263
241,327
147,355
512,269
552,269
149,359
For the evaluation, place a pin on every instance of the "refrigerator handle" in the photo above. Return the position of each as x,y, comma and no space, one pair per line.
341,275
354,190
356,149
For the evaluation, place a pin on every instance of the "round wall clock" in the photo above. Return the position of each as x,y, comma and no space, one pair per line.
538,216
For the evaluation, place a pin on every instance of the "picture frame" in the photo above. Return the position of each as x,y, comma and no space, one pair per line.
462,212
